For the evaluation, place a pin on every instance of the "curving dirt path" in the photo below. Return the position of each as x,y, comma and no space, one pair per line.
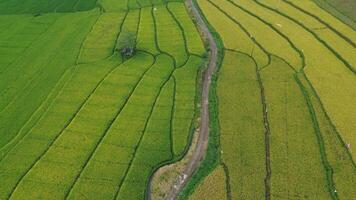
203,137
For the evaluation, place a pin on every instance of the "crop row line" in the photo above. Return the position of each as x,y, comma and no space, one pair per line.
191,131
277,56
156,38
245,31
180,157
11,144
326,164
41,104
84,103
341,17
115,42
155,31
315,93
30,82
301,54
120,31
27,88
145,6
58,87
33,78
53,90
62,130
266,127
118,34
172,115
348,65
181,29
267,135
328,168
83,41
322,21
174,102
329,120
22,90
178,23
265,117
27,47
111,122
142,135
174,94
268,195
138,25
266,124
227,182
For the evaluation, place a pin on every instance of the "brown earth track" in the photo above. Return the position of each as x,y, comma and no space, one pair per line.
203,137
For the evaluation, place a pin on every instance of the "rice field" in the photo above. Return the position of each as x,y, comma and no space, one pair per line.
285,90
242,144
77,119
343,10
82,119
213,187
38,7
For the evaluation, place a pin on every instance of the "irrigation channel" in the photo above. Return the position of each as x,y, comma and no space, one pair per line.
203,138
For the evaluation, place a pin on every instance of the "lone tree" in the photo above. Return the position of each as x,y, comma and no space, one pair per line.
127,45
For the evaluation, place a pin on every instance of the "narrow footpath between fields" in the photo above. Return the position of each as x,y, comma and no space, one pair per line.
203,137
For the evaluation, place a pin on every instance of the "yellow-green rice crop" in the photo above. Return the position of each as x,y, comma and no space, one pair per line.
305,74
241,135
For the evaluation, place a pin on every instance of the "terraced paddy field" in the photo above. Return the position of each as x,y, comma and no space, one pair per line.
80,120
285,103
77,119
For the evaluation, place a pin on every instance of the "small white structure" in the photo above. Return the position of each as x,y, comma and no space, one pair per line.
185,176
348,146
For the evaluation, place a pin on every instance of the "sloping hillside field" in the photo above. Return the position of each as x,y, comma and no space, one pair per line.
286,101
77,119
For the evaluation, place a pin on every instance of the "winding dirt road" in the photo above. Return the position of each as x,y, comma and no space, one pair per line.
202,143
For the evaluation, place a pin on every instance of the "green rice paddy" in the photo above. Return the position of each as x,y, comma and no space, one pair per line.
80,121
